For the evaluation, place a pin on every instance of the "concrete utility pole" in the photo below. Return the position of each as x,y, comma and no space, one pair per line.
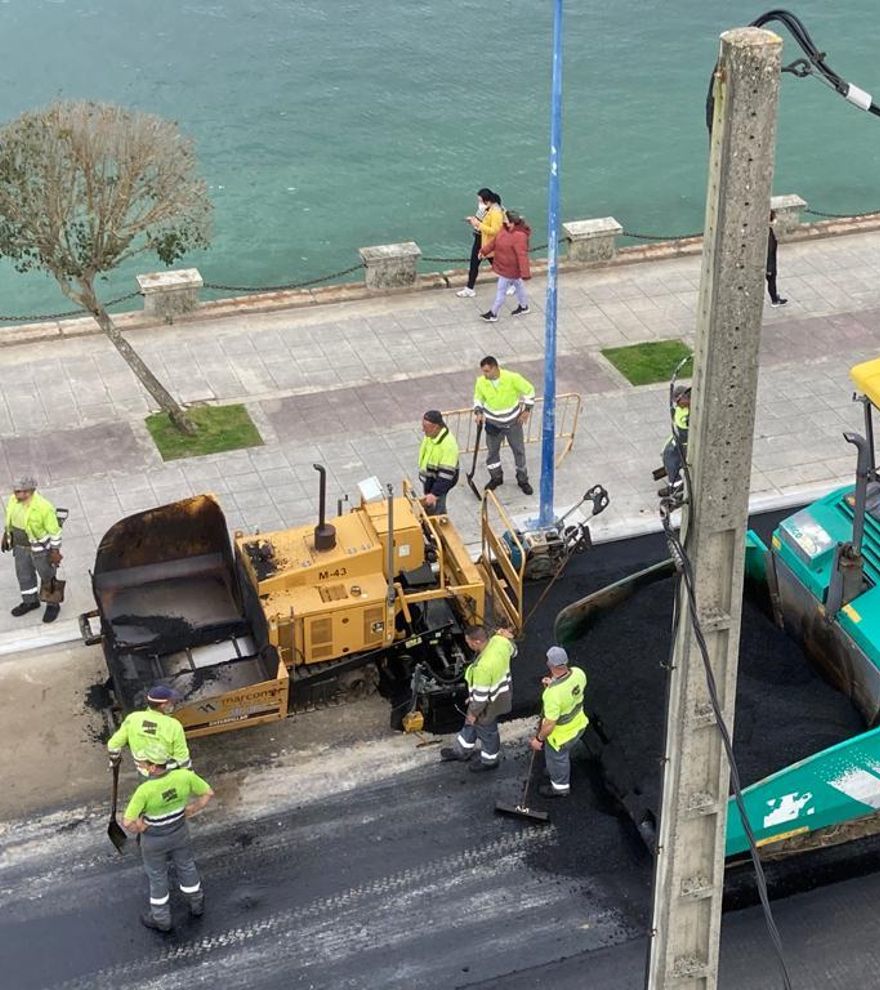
690,859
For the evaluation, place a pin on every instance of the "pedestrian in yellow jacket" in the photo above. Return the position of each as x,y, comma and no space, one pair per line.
33,534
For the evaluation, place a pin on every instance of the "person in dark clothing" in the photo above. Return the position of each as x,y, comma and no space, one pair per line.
775,298
486,223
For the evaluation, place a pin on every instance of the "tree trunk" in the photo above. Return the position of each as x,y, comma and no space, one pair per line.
166,401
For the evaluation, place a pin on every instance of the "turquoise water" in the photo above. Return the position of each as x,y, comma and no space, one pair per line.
325,126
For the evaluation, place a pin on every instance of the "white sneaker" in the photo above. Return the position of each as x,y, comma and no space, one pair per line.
466,293
510,290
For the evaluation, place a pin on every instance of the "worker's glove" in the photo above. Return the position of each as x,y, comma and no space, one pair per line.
55,557
6,542
115,760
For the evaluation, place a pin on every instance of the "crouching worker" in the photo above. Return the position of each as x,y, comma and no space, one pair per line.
490,695
563,722
158,812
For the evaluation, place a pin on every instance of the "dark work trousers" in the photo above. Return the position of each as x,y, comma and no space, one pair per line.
558,763
513,434
488,737
157,849
771,265
475,260
672,461
30,566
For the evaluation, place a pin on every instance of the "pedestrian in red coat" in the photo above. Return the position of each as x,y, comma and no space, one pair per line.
510,260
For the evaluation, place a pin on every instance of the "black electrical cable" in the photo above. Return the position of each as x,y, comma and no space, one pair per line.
680,554
813,64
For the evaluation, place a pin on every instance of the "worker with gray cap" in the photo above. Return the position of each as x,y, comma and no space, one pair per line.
152,731
33,534
563,723
438,462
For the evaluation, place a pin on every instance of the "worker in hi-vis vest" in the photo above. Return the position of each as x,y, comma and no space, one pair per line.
503,401
563,721
676,446
158,813
150,730
438,462
33,533
490,695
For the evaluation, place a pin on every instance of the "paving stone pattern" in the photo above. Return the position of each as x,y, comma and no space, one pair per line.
345,385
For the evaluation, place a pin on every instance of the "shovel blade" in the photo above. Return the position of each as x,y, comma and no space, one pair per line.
526,814
52,591
116,834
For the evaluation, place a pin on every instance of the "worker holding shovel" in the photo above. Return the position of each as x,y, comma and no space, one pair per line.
152,729
32,531
563,723
158,812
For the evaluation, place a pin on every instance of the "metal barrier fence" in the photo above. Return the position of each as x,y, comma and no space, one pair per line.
462,424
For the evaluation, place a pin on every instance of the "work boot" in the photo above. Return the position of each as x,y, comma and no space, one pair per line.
148,921
549,791
51,613
448,755
24,607
482,766
526,488
494,483
197,904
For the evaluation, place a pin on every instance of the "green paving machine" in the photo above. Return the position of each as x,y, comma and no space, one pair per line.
819,580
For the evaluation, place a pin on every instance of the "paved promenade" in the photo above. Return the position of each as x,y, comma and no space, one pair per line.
346,384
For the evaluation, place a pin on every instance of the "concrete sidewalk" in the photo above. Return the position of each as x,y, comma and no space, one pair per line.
346,384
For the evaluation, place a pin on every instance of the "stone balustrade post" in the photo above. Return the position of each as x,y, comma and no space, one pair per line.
390,266
170,294
788,214
592,240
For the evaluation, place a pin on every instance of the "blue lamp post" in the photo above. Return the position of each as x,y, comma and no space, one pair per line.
548,424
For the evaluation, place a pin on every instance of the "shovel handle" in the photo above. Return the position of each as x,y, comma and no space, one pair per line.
469,477
115,794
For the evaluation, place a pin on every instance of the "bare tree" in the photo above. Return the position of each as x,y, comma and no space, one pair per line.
86,186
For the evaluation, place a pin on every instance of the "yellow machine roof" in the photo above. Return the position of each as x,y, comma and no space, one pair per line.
866,378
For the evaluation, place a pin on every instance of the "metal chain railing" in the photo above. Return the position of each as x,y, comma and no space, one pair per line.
283,288
842,216
433,259
661,237
66,315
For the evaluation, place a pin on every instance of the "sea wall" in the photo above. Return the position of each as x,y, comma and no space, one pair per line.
588,244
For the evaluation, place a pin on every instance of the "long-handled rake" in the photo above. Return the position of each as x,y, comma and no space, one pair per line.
522,810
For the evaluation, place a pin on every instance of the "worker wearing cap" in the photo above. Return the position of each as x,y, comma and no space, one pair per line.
503,401
438,462
158,812
490,695
33,534
673,453
152,730
563,721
